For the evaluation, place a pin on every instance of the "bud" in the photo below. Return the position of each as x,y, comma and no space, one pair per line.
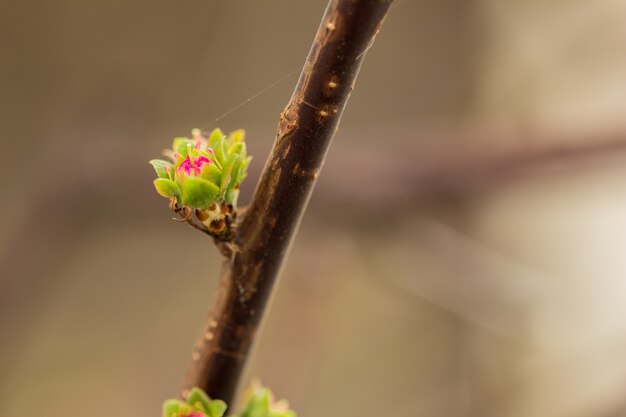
203,176
197,404
260,402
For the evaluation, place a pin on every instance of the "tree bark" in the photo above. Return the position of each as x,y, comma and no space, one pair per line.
264,233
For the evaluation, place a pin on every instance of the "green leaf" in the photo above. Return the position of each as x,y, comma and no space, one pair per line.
239,172
237,136
163,169
235,172
244,169
231,196
259,404
167,187
171,408
216,142
220,154
211,172
215,135
181,145
199,400
198,192
227,174
217,408
237,148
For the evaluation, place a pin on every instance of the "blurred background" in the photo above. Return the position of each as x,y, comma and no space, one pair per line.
462,255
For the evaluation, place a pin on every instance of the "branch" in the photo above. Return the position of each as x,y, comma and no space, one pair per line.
264,235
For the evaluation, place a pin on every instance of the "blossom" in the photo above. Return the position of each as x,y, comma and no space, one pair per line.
193,166
203,176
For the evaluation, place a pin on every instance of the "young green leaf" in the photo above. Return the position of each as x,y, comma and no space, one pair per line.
243,173
199,400
182,146
211,172
215,135
237,148
258,404
216,142
231,196
171,408
235,174
198,192
163,168
167,187
227,174
237,136
217,408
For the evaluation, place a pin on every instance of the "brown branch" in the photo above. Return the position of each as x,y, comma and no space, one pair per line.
264,234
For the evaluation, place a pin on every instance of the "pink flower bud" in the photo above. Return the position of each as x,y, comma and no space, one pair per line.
193,166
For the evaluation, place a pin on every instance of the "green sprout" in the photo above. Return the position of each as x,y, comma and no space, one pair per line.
259,403
197,404
203,178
